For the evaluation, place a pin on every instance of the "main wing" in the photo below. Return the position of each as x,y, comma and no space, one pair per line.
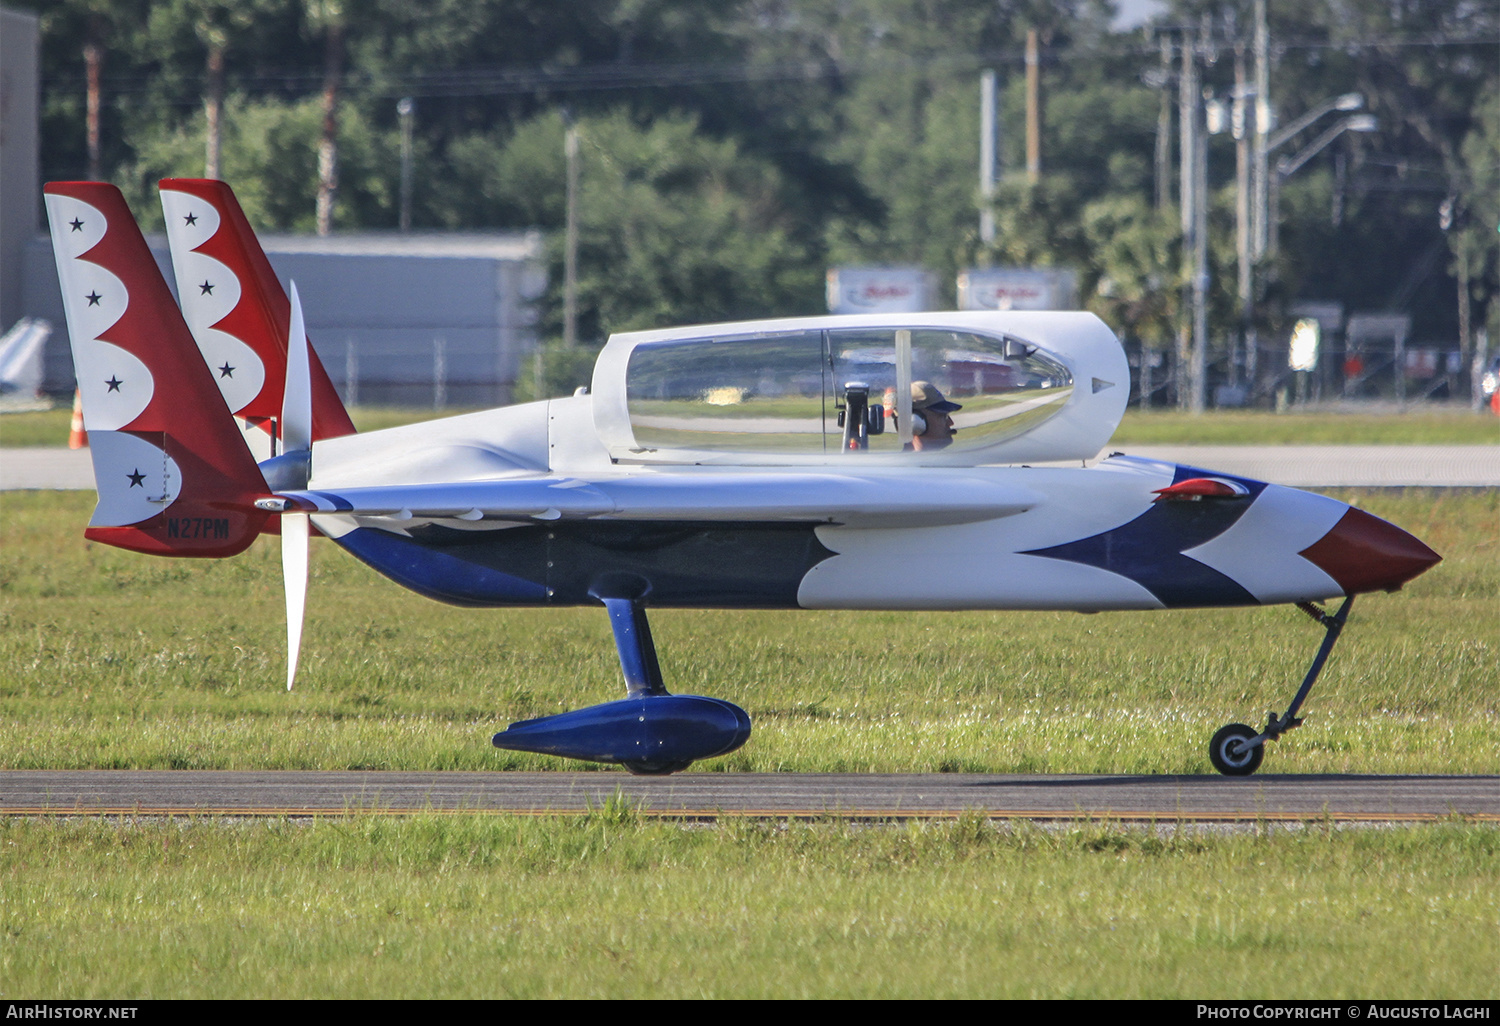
869,500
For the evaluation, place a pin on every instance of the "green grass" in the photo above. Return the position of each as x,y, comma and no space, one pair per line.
35,428
1418,426
612,906
1448,425
114,660
374,418
109,659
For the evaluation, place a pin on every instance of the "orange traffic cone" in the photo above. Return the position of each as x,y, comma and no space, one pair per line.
78,438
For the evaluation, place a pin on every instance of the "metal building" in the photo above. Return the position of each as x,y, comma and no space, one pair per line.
20,190
409,319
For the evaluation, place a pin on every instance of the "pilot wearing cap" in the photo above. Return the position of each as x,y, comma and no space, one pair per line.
932,427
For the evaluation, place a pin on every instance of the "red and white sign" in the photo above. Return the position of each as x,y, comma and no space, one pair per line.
880,290
1018,288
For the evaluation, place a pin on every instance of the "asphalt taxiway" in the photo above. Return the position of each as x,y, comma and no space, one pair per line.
709,796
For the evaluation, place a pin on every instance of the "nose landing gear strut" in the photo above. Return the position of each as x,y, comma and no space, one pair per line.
1236,750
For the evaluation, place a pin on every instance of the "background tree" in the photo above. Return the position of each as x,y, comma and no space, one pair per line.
737,148
79,123
1473,220
1134,248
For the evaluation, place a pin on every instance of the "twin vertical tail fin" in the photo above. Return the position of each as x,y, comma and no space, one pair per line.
238,312
254,340
174,476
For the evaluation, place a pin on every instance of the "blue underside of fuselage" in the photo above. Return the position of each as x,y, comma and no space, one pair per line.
438,574
678,564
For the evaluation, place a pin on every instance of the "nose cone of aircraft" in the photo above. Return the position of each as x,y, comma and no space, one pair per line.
1364,553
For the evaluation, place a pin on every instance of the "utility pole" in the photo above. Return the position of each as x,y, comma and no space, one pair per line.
1187,177
1033,109
988,146
1192,331
404,110
1262,129
1164,128
93,59
570,250
328,152
1465,315
1198,387
1198,366
1239,126
213,104
1163,179
1259,130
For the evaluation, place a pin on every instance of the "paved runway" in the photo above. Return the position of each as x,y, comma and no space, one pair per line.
1336,466
1301,466
1271,797
45,468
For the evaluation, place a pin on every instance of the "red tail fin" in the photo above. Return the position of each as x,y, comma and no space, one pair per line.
174,477
235,305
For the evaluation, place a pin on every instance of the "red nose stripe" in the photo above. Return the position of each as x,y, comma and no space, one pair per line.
1364,553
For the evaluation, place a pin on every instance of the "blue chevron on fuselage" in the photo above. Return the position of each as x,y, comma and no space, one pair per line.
1149,549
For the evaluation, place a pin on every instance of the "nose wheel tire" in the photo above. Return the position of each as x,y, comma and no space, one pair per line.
1229,755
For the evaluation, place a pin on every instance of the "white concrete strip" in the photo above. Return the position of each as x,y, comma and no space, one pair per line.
45,468
1330,466
1301,466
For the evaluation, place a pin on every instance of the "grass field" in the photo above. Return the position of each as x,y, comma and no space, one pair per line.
614,907
109,659
114,660
1417,426
1428,425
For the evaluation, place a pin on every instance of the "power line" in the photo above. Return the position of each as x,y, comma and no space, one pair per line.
507,80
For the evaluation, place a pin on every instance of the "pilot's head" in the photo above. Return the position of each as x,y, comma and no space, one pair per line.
932,427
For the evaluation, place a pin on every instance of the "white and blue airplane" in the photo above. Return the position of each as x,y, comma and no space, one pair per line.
789,463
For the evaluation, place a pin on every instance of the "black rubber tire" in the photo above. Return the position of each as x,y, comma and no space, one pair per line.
656,769
1235,765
